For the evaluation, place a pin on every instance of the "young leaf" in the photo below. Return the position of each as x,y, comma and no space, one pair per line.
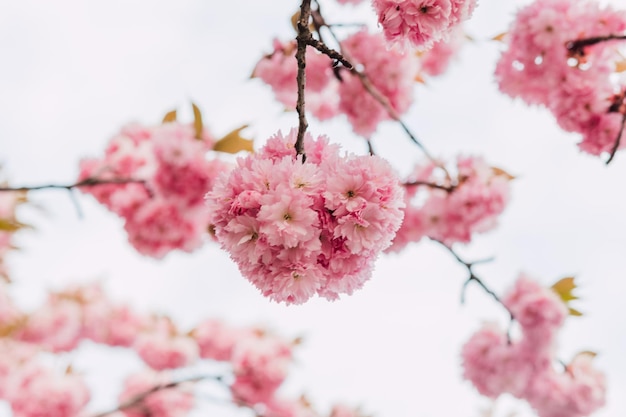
169,117
8,225
500,37
197,120
233,142
500,172
564,288
620,66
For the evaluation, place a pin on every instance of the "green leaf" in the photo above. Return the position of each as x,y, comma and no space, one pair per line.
233,142
197,121
170,117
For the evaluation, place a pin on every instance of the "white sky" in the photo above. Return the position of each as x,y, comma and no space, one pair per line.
73,72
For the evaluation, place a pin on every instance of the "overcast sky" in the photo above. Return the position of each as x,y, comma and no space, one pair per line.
73,72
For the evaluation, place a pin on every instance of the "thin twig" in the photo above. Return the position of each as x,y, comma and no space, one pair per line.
577,46
617,141
138,399
89,182
447,188
303,34
474,278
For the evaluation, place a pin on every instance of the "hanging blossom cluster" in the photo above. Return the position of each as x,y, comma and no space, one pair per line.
259,360
452,209
579,86
421,23
298,229
527,367
330,93
163,209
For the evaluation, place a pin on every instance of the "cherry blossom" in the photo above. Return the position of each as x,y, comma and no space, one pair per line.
166,212
420,23
299,229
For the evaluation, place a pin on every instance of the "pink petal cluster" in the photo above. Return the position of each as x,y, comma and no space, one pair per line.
168,402
421,23
162,347
260,366
578,88
166,211
328,94
390,71
435,61
524,368
36,391
279,70
450,208
255,362
298,229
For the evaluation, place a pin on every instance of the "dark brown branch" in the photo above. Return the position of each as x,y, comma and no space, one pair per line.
89,182
577,46
138,399
474,278
617,141
374,92
447,188
302,39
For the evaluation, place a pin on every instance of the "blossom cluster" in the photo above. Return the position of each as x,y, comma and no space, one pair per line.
168,174
296,228
259,360
421,23
450,208
579,86
525,367
329,93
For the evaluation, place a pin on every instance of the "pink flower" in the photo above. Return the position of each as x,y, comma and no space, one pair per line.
166,210
260,366
538,310
421,22
176,401
390,71
475,198
299,229
577,86
279,71
35,391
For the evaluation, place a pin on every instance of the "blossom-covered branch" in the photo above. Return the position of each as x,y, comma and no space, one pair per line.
139,398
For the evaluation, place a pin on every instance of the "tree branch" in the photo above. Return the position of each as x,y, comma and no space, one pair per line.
447,188
302,39
89,182
474,278
577,46
138,399
617,141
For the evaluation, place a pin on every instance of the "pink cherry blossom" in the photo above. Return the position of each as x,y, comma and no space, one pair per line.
279,71
390,71
538,310
260,366
166,211
176,401
577,85
471,204
299,229
421,22
36,391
